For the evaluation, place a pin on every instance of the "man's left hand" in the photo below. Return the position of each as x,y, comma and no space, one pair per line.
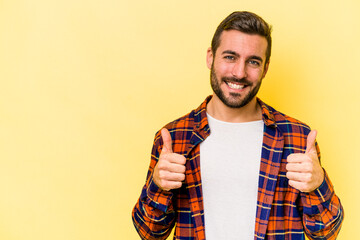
303,169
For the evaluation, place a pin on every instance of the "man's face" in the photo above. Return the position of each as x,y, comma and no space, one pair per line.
238,67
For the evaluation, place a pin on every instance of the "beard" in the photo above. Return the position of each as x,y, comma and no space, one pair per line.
235,100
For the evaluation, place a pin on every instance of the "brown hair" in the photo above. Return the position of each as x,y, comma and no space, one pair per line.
246,22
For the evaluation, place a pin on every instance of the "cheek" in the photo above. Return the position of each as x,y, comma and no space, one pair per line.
222,69
255,74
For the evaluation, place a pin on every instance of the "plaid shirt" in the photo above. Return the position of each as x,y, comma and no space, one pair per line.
282,211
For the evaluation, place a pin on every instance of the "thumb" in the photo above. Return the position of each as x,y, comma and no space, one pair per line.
166,137
310,143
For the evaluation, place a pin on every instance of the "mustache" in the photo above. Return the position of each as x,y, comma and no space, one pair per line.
236,80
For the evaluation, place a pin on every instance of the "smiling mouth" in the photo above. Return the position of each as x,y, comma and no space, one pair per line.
235,86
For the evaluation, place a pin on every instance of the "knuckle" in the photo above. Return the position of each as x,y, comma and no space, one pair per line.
291,183
163,165
308,178
161,161
163,156
179,159
302,187
177,185
308,159
166,186
163,183
307,187
182,178
160,166
159,183
307,166
287,166
161,174
166,157
174,158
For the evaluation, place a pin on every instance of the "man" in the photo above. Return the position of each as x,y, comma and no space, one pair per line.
235,168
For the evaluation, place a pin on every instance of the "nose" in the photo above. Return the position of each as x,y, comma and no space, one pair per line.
239,70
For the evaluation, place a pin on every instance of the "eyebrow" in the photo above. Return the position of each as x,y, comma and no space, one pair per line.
238,55
256,58
230,52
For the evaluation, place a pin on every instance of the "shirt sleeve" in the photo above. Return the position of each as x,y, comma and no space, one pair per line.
153,215
322,211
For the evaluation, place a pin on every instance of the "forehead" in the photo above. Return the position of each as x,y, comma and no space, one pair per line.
242,43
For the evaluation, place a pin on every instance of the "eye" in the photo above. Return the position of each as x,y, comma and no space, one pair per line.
229,57
254,63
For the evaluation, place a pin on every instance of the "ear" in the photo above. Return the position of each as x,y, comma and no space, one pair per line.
266,67
209,58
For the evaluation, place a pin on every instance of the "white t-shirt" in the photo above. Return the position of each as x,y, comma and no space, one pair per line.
229,164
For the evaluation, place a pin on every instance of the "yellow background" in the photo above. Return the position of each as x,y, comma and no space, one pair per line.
84,86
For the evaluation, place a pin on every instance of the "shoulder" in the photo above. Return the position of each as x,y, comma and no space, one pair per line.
191,120
183,127
181,131
182,123
294,131
286,123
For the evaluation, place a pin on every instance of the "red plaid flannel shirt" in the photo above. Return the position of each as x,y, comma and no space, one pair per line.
282,211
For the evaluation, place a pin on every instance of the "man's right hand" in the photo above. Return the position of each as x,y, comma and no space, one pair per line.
169,172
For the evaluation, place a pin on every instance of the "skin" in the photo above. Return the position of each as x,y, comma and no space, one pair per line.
303,169
169,172
239,56
238,61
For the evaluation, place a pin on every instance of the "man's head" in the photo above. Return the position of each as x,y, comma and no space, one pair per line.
245,22
239,58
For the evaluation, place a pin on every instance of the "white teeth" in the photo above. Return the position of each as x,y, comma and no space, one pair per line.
235,86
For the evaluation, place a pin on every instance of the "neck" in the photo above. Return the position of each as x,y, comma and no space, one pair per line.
250,112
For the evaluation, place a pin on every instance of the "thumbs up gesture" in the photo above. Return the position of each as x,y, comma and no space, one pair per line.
303,169
169,171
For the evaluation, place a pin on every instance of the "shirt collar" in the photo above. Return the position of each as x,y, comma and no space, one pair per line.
267,113
201,122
